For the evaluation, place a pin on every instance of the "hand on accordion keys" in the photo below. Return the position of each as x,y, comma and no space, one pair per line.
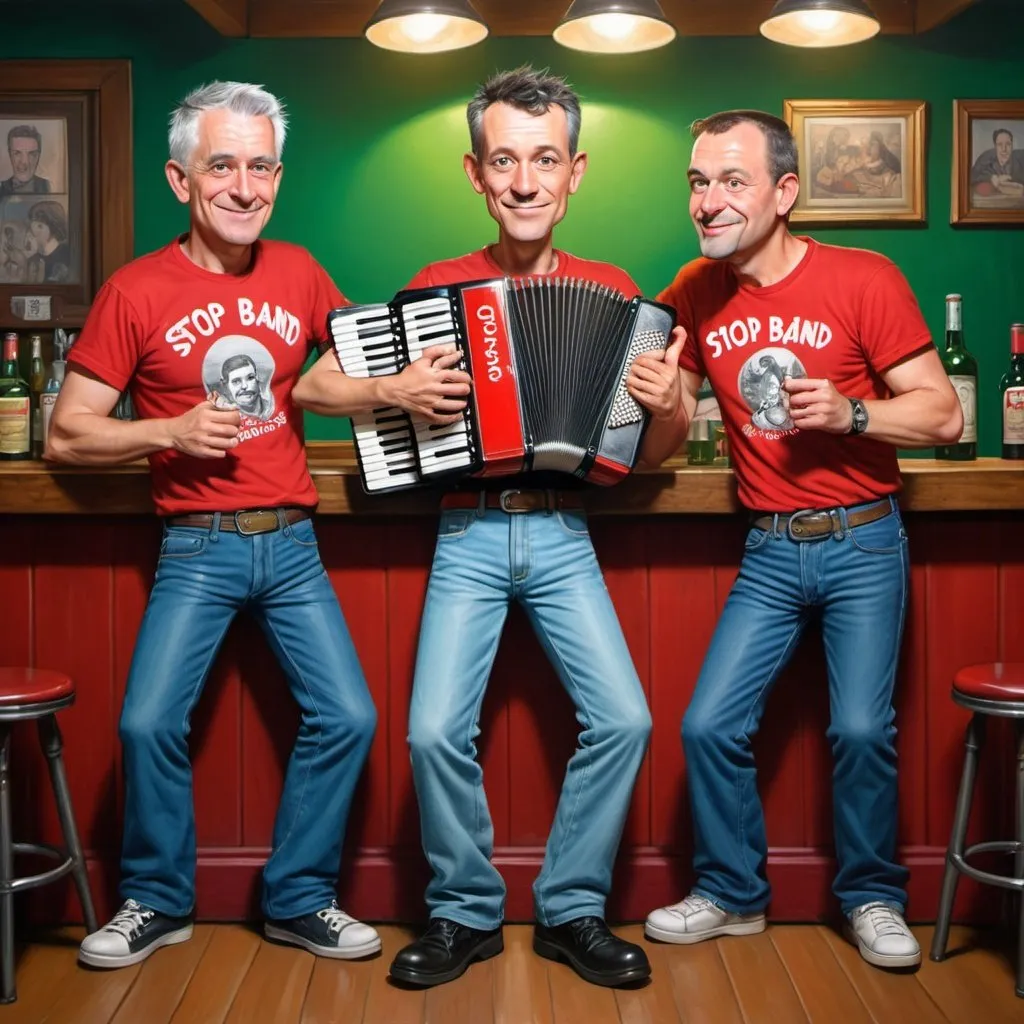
430,386
654,378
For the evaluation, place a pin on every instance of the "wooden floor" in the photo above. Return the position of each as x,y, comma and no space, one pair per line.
791,973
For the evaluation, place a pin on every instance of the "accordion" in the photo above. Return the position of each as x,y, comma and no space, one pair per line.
549,359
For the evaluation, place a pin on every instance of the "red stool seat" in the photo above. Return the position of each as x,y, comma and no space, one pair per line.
21,686
999,680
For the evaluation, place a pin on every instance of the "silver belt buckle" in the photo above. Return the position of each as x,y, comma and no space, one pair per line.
807,513
503,502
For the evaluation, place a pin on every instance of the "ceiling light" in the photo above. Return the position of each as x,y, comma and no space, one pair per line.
604,26
820,22
425,26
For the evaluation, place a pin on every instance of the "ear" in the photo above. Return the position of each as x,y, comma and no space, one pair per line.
789,189
278,171
471,166
576,172
177,178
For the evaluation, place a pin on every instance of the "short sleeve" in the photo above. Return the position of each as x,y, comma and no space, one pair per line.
326,297
891,326
111,341
423,279
676,296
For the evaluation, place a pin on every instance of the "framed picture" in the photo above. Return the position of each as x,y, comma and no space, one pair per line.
860,160
988,162
65,186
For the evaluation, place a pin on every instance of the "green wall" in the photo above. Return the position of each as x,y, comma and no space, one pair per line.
373,183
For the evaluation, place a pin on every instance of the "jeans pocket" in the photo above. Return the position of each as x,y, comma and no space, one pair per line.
882,537
455,524
183,542
574,523
756,538
302,533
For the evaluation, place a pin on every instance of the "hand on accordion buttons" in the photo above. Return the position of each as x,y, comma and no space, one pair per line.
654,378
431,386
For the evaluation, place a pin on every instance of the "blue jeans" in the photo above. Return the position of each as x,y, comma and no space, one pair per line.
546,562
856,582
203,579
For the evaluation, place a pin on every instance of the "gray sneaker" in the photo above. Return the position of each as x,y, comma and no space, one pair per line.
697,918
882,936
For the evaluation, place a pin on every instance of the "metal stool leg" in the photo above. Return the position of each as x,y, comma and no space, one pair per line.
49,736
974,739
8,993
1018,859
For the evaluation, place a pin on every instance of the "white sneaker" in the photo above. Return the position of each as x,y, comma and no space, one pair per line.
882,936
697,918
131,935
328,932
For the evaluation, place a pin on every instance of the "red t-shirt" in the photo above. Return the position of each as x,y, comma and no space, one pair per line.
175,334
846,315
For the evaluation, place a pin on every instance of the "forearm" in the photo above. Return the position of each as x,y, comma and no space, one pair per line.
338,394
916,419
87,439
664,438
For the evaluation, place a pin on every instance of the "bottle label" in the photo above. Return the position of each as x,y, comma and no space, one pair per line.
1013,416
15,433
966,389
47,400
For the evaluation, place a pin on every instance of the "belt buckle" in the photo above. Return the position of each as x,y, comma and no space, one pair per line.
504,498
807,513
260,525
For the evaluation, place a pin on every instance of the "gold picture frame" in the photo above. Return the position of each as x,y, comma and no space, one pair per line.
860,161
988,162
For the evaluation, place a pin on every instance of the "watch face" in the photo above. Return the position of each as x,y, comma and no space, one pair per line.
860,417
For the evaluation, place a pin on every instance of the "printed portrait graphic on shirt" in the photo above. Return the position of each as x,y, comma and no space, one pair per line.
760,383
237,374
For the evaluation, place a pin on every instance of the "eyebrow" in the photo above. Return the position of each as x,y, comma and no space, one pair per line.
694,172
221,158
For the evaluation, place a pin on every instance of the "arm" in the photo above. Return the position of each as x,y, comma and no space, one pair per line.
923,411
83,433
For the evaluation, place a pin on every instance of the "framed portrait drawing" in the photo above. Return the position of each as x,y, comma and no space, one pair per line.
65,186
988,162
860,160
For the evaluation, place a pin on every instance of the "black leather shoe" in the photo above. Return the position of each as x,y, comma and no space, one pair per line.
592,951
443,952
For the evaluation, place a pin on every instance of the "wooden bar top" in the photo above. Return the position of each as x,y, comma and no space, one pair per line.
31,488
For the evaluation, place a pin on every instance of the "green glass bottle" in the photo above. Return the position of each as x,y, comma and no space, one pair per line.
15,405
1011,388
962,369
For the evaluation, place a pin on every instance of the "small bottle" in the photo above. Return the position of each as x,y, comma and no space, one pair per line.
15,405
36,383
1012,389
48,399
962,369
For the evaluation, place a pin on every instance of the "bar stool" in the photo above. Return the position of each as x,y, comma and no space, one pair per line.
31,693
992,689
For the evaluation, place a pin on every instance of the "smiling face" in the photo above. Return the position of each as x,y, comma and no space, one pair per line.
24,154
734,204
525,171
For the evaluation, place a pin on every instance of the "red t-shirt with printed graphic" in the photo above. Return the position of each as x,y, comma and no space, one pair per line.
173,334
846,315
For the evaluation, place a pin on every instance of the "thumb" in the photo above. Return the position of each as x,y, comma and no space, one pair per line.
674,350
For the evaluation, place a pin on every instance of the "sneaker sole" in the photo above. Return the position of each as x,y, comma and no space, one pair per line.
550,951
689,938
110,962
878,959
488,948
332,952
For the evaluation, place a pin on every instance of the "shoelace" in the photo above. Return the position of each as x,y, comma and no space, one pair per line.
130,919
590,931
335,918
693,904
883,919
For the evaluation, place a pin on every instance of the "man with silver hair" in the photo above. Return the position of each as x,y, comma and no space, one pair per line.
237,532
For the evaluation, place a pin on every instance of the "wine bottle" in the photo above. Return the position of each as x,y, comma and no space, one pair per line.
15,405
1012,390
962,369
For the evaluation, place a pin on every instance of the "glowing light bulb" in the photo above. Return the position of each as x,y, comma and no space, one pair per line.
820,21
424,28
613,26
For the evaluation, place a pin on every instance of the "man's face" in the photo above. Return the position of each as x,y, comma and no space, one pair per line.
233,177
525,170
734,204
1004,147
24,155
244,387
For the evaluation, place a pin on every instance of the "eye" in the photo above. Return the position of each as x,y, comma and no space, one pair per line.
219,168
261,168
547,161
698,184
502,162
734,183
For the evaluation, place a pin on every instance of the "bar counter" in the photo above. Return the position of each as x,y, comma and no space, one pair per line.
78,551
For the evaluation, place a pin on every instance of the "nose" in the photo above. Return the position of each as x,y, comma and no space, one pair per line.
712,200
242,185
524,182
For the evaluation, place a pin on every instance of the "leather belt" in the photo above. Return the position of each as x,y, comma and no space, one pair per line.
246,522
514,500
812,523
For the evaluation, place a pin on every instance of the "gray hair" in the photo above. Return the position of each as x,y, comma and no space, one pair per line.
528,90
238,97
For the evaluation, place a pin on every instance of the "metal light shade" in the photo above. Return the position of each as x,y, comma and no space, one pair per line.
820,22
425,26
604,26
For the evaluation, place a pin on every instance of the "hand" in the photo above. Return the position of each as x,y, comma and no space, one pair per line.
816,405
429,386
205,431
654,378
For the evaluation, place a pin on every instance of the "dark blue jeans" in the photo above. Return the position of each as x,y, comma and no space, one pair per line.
856,581
203,579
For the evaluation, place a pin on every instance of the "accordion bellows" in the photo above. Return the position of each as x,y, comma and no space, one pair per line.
548,357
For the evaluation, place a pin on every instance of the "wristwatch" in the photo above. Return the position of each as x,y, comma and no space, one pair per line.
859,422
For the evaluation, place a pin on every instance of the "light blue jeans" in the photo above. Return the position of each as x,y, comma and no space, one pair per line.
855,581
203,579
546,562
